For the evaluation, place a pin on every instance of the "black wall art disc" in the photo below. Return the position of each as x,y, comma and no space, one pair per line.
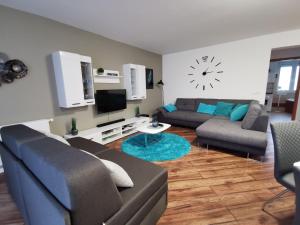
11,70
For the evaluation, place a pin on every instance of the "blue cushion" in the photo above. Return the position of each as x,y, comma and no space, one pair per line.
205,108
224,109
170,108
239,112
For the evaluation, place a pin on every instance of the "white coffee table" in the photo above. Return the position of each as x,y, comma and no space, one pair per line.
149,129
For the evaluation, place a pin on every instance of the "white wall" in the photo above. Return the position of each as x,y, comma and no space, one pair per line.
245,64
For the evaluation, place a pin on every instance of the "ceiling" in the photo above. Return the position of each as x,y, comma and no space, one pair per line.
166,26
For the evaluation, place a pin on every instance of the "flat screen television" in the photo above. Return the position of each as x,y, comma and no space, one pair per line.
110,100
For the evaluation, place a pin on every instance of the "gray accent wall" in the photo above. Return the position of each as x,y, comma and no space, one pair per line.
32,39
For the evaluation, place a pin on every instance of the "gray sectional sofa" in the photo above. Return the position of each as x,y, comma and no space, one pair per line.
55,184
248,135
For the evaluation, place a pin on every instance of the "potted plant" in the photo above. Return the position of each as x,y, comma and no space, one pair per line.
100,71
74,130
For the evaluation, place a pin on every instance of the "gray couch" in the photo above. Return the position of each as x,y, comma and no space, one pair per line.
248,135
297,182
56,184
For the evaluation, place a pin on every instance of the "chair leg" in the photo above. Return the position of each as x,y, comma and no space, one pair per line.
279,195
248,155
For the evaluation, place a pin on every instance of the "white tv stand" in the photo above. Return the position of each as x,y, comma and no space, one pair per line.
112,132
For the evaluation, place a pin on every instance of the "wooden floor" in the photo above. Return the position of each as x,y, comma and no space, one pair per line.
208,187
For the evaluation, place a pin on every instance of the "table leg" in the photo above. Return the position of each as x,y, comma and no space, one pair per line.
146,140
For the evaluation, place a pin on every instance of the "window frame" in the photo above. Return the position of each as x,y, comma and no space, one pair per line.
294,65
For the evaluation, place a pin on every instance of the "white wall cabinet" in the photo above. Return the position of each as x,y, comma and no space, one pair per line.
134,81
74,79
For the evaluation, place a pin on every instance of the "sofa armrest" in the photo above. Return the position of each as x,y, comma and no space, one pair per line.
160,114
296,169
261,123
161,110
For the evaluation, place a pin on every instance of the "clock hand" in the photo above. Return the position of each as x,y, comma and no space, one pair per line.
205,72
209,71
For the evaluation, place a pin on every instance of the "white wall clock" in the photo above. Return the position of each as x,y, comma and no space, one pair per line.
205,73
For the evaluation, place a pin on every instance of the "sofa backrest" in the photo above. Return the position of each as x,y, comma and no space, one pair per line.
191,104
76,181
185,104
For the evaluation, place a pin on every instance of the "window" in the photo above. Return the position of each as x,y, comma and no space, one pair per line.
288,76
285,78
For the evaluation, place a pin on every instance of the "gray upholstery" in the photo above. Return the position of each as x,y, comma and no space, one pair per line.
15,136
70,180
186,104
11,168
55,184
87,145
228,131
41,206
218,130
261,123
286,147
253,113
148,180
286,151
189,116
296,171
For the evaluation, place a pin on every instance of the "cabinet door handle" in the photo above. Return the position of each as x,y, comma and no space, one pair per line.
76,104
90,102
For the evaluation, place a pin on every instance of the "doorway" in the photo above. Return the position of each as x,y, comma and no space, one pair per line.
282,92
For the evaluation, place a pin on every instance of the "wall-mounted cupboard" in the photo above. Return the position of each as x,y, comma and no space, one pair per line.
74,79
135,81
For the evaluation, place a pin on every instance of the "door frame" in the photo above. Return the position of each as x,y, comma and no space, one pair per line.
296,99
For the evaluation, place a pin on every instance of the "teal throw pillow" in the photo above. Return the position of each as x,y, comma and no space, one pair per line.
224,109
207,109
170,108
239,112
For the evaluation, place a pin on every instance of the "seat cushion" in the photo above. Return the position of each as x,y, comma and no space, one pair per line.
147,178
226,130
288,181
188,116
87,145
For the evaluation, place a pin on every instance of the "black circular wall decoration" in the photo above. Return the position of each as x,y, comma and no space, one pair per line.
11,70
205,72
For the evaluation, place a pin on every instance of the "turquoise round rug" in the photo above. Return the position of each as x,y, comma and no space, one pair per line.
161,147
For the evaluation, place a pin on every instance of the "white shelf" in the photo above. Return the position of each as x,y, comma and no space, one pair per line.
128,128
109,134
103,135
107,79
128,133
107,76
114,138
